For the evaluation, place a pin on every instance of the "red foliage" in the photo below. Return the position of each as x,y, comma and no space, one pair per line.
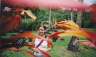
28,34
10,24
55,35
93,13
88,43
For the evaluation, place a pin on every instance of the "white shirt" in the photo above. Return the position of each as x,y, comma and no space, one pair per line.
43,46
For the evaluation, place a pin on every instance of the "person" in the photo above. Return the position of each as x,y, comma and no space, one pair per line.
42,44
74,44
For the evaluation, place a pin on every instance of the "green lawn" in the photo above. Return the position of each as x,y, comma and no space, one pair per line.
59,50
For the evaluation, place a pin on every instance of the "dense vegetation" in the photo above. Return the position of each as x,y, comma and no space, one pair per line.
45,15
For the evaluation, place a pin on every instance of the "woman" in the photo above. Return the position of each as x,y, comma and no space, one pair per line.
42,44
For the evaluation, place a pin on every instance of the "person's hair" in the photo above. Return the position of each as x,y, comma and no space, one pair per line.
42,26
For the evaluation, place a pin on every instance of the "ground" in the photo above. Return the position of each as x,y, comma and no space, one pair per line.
59,50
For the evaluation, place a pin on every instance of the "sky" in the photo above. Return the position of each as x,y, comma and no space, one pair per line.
90,2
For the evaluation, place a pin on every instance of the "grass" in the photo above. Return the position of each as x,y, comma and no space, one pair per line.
59,50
